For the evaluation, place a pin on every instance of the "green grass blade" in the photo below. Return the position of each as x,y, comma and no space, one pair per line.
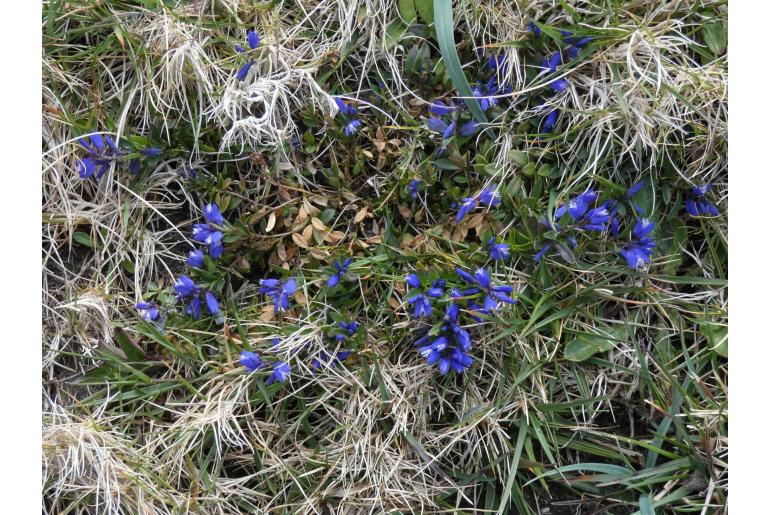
442,10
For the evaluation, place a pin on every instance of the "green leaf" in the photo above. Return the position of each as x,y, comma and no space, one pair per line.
407,10
133,352
585,346
717,337
83,239
715,37
645,505
425,8
446,42
393,34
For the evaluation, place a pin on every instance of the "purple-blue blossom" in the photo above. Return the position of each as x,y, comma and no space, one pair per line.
498,251
279,292
481,283
281,372
101,150
196,259
148,311
413,188
342,269
193,295
250,360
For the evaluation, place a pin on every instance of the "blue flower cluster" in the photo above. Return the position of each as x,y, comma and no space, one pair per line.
550,64
191,294
209,233
341,270
253,362
698,205
252,40
488,197
279,292
585,216
348,112
447,343
638,251
102,151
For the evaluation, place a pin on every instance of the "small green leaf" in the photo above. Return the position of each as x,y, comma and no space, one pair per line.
585,346
425,8
717,337
132,351
83,239
407,10
393,34
715,37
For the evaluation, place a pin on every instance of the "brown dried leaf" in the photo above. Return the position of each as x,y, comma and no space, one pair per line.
318,224
335,236
405,211
270,222
311,209
308,233
360,215
300,240
394,303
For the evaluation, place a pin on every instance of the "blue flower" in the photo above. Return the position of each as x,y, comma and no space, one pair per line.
499,62
437,124
151,151
101,150
209,233
279,292
633,190
212,214
469,128
352,127
186,290
534,29
244,70
550,121
560,85
196,259
252,38
349,329
342,269
498,251
481,282
449,131
436,289
439,108
490,196
413,188
467,205
148,311
447,356
250,360
422,306
345,110
698,205
281,372
570,39
413,281
638,252
551,63
543,250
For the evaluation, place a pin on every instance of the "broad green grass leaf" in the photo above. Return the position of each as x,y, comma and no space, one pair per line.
407,10
442,9
425,8
585,346
715,36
